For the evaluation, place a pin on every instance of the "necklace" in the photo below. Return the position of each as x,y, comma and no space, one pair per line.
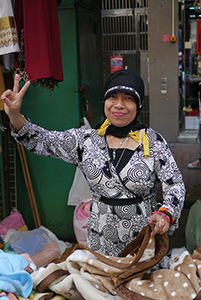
115,149
122,153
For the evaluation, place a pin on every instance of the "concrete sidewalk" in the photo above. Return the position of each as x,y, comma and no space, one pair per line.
184,154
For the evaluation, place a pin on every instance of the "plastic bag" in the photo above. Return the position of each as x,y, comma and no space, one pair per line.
81,197
79,190
193,227
41,244
80,221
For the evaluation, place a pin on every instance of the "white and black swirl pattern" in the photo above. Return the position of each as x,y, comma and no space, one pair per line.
69,142
95,243
126,223
110,233
125,238
138,172
125,211
102,208
98,140
91,170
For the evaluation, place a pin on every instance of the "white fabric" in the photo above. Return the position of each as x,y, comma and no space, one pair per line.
6,10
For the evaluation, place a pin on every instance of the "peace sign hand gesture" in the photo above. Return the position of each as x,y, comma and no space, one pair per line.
13,101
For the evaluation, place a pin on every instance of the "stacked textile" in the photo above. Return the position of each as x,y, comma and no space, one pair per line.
89,275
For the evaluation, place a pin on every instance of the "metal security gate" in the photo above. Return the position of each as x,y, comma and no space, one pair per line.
125,33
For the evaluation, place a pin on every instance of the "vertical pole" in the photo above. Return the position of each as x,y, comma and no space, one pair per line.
172,17
2,176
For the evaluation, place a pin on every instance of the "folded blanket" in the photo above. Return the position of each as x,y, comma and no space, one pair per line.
13,278
91,273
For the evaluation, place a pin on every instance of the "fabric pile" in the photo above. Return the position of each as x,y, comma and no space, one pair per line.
89,275
22,252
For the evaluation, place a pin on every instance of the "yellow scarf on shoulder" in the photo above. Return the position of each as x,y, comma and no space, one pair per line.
134,135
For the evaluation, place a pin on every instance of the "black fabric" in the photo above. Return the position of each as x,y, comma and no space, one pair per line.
122,79
120,202
121,132
126,78
124,160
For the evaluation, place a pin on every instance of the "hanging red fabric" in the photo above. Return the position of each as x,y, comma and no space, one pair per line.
39,20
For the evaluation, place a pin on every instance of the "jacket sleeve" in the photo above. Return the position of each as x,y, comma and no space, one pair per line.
169,175
58,144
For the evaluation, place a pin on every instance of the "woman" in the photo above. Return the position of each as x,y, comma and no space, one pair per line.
122,162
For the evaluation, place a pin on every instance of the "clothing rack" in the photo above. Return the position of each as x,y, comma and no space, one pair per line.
4,166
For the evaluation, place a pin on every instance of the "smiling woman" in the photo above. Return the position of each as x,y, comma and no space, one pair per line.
122,162
120,108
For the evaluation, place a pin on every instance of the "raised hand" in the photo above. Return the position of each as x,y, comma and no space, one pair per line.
13,101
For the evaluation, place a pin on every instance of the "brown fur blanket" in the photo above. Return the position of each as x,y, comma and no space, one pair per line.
89,275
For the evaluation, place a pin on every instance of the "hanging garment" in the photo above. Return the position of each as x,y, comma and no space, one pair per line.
8,31
8,37
38,28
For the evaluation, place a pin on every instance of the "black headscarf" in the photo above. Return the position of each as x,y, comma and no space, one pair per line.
131,83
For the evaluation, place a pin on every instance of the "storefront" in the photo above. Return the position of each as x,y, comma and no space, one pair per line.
191,59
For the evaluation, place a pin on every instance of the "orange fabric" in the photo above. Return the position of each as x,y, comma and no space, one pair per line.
23,228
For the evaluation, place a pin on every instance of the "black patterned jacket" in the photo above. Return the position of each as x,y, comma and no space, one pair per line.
89,151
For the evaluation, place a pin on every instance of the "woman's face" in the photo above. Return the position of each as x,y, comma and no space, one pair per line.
120,108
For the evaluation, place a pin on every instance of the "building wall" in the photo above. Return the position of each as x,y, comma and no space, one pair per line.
163,62
57,110
60,110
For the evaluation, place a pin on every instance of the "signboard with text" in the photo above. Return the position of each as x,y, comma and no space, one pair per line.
198,44
116,63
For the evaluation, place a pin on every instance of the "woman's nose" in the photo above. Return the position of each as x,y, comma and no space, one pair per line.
119,102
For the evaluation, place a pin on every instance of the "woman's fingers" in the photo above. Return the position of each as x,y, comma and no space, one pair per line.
15,95
7,93
160,225
16,84
13,99
23,89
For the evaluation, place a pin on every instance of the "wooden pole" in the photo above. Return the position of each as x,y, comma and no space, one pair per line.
29,185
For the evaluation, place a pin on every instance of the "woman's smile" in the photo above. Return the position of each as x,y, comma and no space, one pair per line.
117,114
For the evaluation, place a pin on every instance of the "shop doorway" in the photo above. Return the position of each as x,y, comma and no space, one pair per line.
125,41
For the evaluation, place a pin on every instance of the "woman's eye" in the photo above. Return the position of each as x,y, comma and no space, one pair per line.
129,98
